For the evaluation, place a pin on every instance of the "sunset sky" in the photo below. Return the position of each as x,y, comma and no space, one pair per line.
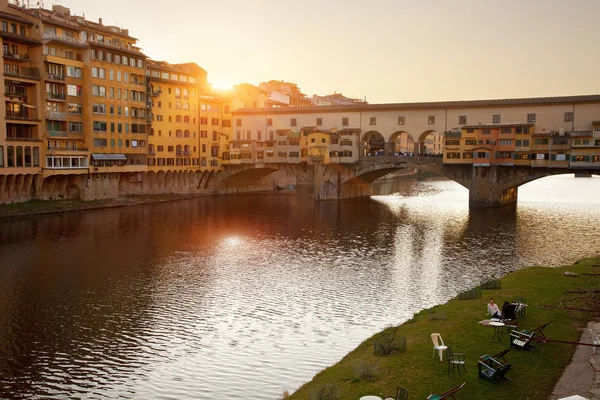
386,50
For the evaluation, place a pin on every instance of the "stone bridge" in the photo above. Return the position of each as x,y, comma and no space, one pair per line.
488,186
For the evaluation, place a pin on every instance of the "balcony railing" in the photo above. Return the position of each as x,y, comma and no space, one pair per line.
24,72
55,148
63,38
56,96
62,134
56,115
18,57
24,136
18,95
54,77
24,114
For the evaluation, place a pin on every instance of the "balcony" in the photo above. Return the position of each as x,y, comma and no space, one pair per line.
56,96
54,77
16,57
21,95
62,38
56,115
62,149
61,134
21,136
24,73
24,114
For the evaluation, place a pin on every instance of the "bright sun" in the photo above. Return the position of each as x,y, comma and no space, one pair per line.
222,85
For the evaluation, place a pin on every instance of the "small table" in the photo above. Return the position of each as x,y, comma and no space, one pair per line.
498,326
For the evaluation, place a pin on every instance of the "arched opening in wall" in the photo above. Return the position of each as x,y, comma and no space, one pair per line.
429,143
373,144
402,143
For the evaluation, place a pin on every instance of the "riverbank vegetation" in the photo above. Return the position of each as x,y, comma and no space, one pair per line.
533,374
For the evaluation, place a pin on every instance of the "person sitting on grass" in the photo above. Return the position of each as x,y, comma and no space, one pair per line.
493,309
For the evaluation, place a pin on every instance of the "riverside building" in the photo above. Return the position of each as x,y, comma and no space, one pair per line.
88,116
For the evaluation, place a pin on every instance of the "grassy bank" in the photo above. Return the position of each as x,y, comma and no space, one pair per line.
533,375
35,207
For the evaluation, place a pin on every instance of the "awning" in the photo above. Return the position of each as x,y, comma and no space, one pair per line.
109,157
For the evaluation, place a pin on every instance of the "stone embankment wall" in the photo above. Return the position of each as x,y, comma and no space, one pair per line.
21,188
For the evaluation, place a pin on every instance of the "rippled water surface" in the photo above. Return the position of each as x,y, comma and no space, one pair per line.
224,297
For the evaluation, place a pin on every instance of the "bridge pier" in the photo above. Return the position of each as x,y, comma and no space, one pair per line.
486,188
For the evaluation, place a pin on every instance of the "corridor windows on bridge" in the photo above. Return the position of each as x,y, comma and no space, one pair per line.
452,155
462,119
319,121
345,121
531,118
293,122
522,130
373,121
486,131
452,142
471,142
496,119
506,130
568,116
401,120
467,155
431,120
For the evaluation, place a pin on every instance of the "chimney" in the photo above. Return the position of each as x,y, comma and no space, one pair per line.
100,21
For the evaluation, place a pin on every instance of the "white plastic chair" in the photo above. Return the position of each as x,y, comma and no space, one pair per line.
437,339
595,340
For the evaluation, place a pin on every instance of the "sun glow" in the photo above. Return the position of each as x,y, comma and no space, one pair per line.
221,85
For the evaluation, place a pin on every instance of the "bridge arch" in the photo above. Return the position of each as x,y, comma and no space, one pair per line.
401,142
372,143
428,144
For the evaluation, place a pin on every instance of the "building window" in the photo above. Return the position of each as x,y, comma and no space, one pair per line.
238,122
531,118
401,120
269,122
319,121
568,116
462,119
345,121
431,120
496,119
373,121
293,121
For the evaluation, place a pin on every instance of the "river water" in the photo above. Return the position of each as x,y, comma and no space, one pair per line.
243,297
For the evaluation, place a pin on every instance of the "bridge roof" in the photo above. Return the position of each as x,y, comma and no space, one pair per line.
594,98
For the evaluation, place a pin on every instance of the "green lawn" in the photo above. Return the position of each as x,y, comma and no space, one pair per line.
533,375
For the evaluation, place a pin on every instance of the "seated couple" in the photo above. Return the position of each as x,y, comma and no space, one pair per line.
494,311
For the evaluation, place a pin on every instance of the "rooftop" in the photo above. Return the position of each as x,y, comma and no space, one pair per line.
425,105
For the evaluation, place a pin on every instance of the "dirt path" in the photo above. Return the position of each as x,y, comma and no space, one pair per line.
582,375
